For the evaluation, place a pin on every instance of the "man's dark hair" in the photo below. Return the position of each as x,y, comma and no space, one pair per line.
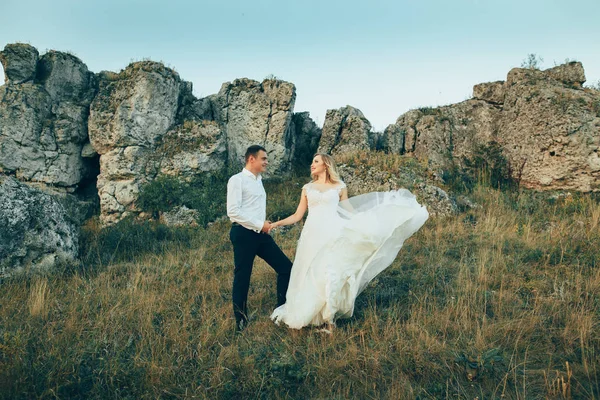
253,151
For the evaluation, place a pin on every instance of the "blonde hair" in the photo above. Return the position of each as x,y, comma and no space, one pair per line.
331,173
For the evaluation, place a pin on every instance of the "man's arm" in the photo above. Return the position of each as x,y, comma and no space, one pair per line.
234,206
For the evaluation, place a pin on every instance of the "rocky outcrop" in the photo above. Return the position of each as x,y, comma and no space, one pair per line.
131,114
251,112
346,130
546,124
144,122
36,230
135,107
381,173
191,148
20,63
441,135
553,126
491,92
180,216
43,119
57,120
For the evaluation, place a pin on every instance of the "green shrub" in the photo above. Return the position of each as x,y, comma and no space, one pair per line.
162,194
457,179
491,167
128,239
206,193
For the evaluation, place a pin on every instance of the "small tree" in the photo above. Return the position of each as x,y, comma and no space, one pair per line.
533,61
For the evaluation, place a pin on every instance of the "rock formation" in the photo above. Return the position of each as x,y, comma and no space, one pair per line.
346,130
142,122
192,148
553,125
19,61
36,230
145,122
251,112
546,123
180,216
440,135
44,108
131,114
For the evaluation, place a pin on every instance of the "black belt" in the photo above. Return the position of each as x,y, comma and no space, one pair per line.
242,226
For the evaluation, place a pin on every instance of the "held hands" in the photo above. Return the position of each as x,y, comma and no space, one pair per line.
274,225
268,226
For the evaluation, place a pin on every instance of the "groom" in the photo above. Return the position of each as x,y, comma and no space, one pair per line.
246,207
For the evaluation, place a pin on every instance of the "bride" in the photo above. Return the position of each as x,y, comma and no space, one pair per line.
344,244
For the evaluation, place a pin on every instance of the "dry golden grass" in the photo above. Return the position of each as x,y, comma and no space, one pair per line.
38,299
500,302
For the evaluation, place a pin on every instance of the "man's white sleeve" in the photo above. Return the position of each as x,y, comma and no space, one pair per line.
234,206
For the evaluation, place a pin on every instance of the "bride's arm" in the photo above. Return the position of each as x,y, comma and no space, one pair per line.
297,216
345,204
344,194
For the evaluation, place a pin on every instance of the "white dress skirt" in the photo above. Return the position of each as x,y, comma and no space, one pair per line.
342,247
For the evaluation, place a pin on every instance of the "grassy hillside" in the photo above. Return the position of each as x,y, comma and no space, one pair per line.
502,301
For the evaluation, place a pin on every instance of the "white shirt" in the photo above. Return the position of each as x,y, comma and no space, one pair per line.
247,200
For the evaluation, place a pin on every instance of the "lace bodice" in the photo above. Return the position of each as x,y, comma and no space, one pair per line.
323,197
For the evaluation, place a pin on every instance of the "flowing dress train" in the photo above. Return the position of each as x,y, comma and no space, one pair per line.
342,247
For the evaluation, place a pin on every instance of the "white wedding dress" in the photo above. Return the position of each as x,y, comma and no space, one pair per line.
342,247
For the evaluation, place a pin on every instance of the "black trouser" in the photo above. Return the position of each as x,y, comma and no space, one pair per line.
247,245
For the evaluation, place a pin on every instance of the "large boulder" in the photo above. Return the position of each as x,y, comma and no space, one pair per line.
66,78
442,135
571,73
180,216
36,230
19,61
129,117
551,127
135,107
43,123
547,125
492,92
346,130
192,148
251,112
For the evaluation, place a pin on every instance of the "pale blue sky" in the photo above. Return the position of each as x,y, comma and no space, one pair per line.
383,57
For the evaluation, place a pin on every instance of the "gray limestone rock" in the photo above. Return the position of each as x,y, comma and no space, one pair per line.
19,61
346,130
36,231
